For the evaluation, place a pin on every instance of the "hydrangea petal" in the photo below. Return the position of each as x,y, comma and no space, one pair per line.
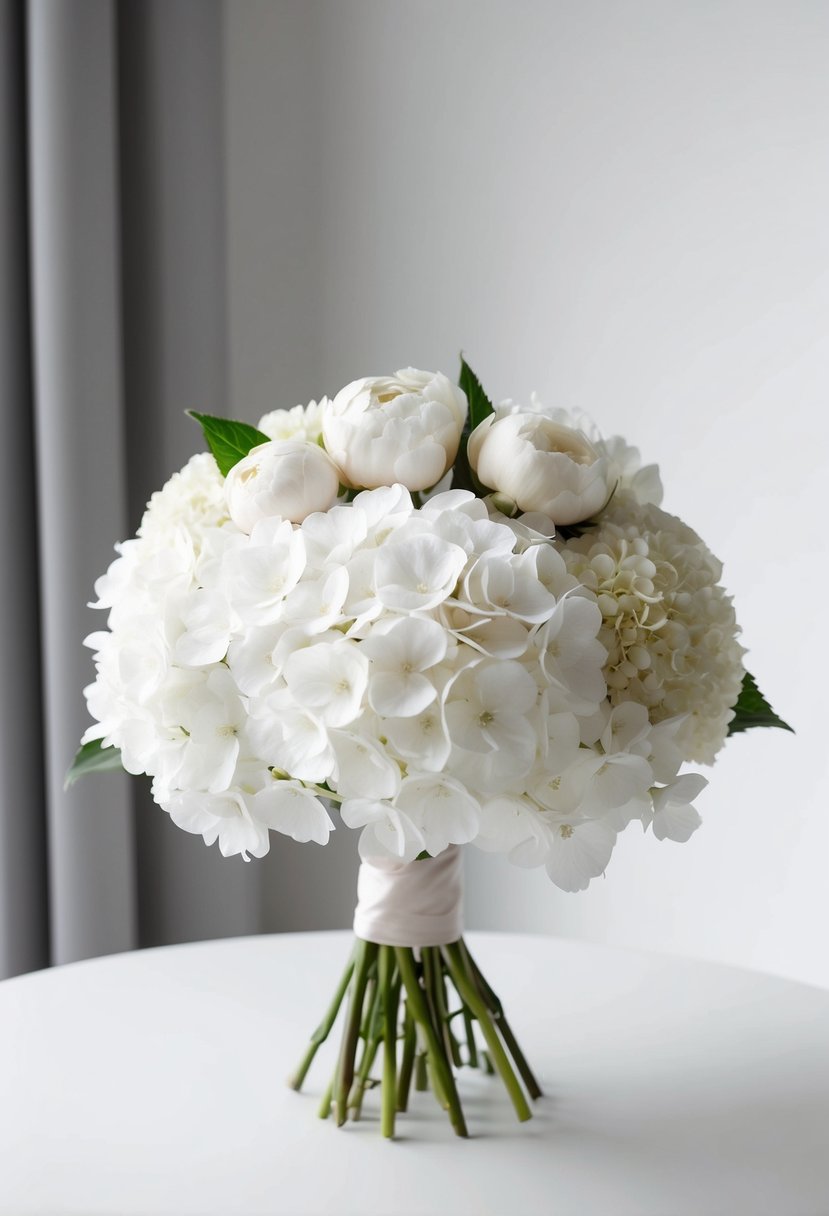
287,807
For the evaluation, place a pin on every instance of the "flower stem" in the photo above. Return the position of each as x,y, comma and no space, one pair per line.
469,994
427,977
390,996
324,1029
471,1045
527,1075
358,1089
371,1030
404,1080
365,954
442,1008
325,1105
421,1073
430,978
441,1069
370,1002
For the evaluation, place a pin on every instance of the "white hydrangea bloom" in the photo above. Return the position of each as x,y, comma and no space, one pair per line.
190,503
301,422
668,626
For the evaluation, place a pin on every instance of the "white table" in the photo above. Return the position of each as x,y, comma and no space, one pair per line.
153,1083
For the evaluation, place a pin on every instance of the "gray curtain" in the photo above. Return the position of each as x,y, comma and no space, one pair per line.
24,935
112,323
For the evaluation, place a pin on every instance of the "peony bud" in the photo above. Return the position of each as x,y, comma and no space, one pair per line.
403,429
289,478
540,465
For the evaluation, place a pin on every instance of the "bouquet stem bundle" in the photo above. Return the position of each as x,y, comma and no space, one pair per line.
404,1005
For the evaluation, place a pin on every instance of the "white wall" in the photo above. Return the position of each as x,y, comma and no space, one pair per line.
624,206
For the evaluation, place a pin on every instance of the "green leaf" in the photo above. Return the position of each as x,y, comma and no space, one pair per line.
480,406
752,709
229,441
92,758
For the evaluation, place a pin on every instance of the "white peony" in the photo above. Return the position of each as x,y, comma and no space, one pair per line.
288,478
540,465
404,428
625,468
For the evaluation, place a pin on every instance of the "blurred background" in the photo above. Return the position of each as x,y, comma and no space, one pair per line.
242,205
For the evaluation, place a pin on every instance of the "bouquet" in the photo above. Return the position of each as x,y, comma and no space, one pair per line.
437,622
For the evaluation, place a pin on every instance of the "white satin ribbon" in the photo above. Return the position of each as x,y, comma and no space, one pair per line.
416,904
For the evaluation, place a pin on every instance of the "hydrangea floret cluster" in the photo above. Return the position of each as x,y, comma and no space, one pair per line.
433,621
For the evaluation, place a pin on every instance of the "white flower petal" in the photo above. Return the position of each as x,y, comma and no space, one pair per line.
387,832
363,768
578,853
422,739
400,696
330,680
440,808
285,806
676,821
417,574
674,817
506,823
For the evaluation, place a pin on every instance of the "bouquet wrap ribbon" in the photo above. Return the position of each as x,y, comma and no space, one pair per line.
419,903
